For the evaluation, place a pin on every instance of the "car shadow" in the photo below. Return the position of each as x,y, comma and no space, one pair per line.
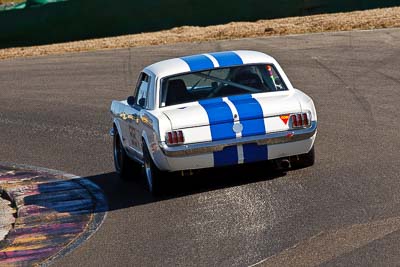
124,194
63,196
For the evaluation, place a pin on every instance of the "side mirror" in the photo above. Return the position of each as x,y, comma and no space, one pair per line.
131,100
142,102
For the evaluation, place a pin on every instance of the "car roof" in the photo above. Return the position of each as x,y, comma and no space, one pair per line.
208,61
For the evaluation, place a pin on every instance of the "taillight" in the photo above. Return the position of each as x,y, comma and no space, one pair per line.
300,120
305,119
175,138
294,120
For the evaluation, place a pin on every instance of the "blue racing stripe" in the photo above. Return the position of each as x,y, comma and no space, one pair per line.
250,114
254,152
226,157
198,62
227,59
220,118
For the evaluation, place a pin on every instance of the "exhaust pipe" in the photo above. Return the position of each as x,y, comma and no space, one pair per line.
187,173
283,164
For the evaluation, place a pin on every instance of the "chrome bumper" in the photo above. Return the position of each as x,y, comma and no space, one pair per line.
267,139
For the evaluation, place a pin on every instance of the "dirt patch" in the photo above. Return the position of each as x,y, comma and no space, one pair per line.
357,20
10,1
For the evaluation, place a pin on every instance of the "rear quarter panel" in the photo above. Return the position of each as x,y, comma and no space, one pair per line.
307,104
154,133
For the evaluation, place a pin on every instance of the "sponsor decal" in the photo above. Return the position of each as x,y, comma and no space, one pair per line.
147,121
284,118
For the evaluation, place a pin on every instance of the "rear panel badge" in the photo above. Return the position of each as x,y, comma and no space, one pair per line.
237,128
284,118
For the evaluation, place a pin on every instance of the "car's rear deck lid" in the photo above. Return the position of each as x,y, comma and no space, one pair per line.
232,109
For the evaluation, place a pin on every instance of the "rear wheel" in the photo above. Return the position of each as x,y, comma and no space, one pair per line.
151,172
304,160
126,168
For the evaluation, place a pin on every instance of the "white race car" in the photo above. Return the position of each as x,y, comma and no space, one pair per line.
212,110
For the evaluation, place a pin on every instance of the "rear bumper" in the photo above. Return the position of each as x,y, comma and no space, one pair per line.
284,137
206,160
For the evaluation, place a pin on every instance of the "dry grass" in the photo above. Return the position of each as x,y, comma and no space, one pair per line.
358,20
10,1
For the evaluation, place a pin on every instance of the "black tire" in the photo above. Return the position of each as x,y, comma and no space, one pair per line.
151,173
304,160
126,168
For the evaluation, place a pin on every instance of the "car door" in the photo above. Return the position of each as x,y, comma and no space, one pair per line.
134,125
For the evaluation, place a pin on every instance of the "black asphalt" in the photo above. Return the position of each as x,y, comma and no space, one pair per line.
345,210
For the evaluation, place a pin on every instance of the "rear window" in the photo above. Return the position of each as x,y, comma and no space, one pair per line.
194,86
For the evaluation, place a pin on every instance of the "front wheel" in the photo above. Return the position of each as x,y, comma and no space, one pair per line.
151,172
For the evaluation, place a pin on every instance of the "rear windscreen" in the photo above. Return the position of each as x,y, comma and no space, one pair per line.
194,86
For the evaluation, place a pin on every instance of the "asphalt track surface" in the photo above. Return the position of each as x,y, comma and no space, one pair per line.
345,210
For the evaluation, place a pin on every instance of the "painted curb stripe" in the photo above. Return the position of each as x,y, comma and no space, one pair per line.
198,62
227,58
55,215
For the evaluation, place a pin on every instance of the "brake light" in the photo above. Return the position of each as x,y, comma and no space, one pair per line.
305,119
300,120
294,120
175,138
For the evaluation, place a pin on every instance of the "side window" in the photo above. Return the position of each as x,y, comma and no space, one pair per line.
141,90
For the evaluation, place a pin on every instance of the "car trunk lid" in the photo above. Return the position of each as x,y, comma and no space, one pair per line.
234,116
